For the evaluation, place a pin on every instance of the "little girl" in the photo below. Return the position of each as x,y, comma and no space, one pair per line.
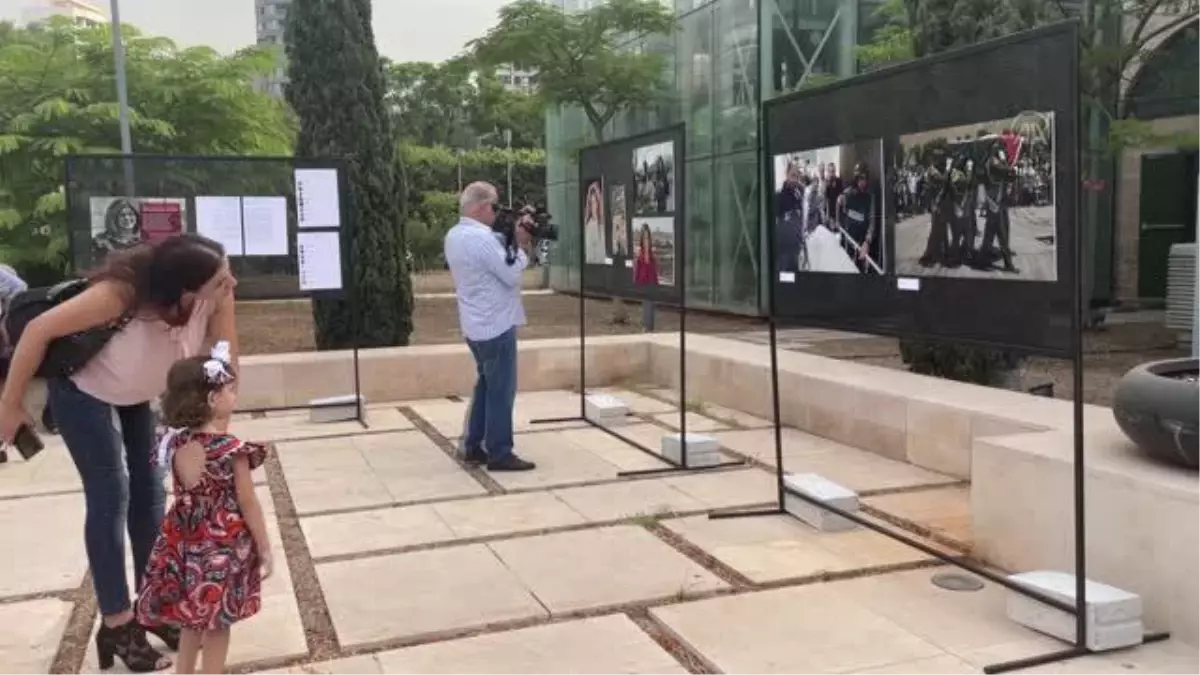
207,567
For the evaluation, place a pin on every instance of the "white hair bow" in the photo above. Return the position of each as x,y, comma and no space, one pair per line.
216,368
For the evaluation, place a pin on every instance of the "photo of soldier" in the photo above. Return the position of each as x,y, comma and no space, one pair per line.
829,210
654,179
986,205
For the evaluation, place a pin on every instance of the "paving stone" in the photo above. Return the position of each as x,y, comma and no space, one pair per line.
420,593
956,622
774,548
616,451
374,530
936,665
696,422
488,516
608,644
1170,656
627,499
945,511
296,425
559,462
638,403
728,488
367,664
370,470
29,634
803,629
43,544
736,417
759,444
602,567
449,417
49,471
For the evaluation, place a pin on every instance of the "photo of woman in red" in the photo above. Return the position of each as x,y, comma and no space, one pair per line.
645,273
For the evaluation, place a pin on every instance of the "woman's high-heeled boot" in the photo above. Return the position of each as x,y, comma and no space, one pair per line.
128,642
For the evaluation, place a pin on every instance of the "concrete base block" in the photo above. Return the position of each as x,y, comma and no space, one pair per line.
823,490
335,409
701,450
1114,616
605,409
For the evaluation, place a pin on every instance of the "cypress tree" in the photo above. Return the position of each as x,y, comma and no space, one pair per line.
337,89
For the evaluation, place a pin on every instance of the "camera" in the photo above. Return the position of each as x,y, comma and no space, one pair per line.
506,223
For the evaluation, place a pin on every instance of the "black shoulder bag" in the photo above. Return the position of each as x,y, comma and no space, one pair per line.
69,353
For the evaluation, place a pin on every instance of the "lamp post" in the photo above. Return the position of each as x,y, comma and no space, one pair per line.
118,47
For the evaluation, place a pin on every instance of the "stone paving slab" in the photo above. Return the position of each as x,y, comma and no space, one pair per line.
944,511
366,664
29,634
728,488
574,456
608,644
420,593
774,548
602,567
294,425
49,471
856,469
43,544
803,629
627,499
1171,656
638,403
449,417
374,530
696,422
490,516
370,470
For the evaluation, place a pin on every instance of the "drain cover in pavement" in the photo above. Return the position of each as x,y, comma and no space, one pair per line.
953,581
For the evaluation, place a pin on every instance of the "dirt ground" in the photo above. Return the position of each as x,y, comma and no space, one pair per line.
286,326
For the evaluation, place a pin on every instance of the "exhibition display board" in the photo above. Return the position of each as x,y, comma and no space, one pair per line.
281,220
936,198
633,216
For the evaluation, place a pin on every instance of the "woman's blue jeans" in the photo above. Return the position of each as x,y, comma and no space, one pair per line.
122,490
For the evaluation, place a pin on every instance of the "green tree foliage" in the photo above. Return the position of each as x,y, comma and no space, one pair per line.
892,38
578,55
57,97
337,88
432,182
459,104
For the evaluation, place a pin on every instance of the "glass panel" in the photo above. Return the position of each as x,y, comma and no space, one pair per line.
695,76
736,95
737,231
805,45
701,259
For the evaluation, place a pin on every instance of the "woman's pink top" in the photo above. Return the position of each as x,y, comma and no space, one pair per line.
132,368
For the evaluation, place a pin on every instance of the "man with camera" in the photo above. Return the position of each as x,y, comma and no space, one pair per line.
487,252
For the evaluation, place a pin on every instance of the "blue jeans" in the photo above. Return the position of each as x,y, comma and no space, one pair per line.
489,423
117,498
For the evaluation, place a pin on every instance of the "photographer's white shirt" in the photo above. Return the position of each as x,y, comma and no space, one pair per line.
487,289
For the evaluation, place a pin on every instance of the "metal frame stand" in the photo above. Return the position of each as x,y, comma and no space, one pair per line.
128,161
672,466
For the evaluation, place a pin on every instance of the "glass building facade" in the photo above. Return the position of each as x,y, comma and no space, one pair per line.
724,60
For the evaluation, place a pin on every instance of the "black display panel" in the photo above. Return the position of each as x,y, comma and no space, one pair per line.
937,198
632,208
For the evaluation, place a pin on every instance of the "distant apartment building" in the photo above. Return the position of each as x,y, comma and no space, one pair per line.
514,79
270,17
82,12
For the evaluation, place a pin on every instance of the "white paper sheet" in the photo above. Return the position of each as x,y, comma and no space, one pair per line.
264,221
220,219
320,258
317,198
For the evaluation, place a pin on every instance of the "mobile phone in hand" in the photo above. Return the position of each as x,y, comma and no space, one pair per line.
27,442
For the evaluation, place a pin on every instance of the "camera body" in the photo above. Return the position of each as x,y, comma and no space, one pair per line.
508,220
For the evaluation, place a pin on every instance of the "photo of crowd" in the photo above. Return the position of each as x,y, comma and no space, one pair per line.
654,179
654,251
829,210
595,245
977,200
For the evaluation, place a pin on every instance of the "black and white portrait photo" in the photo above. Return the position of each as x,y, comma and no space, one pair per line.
977,200
654,179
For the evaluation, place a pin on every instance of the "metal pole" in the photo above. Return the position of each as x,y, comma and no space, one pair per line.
1196,297
118,47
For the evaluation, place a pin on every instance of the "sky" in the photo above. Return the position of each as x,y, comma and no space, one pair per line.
405,30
